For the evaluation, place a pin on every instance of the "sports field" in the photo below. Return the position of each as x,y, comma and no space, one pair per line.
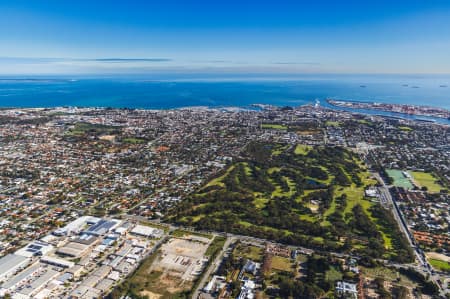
440,265
274,126
399,179
424,179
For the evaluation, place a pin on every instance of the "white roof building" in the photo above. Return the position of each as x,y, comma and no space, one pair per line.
147,231
12,263
76,226
57,262
371,192
346,288
36,248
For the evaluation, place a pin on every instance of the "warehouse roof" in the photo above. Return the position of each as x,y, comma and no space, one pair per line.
11,261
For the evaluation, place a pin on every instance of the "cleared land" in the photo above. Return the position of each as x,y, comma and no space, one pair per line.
170,272
437,256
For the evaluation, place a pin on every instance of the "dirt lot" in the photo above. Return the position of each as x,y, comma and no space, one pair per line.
178,264
150,295
182,257
438,256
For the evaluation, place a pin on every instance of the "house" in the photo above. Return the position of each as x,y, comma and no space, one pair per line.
347,289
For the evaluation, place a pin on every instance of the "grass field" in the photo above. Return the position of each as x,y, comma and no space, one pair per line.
399,179
82,128
424,179
404,128
440,265
274,126
332,123
249,252
281,264
132,140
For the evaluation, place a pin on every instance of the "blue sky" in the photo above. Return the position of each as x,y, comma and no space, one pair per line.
65,37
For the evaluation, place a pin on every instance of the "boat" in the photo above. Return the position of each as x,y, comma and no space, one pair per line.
317,104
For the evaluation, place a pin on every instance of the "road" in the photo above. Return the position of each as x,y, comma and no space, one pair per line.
42,216
386,197
212,267
424,267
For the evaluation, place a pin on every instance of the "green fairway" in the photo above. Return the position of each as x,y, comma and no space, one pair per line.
302,149
260,202
424,179
304,195
218,181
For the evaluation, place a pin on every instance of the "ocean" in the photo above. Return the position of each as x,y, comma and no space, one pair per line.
164,92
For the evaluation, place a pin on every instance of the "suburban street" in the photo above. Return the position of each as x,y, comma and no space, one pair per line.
424,267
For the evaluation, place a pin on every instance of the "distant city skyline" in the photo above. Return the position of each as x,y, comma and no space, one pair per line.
232,37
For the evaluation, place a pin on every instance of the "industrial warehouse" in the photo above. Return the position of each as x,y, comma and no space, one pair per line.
84,259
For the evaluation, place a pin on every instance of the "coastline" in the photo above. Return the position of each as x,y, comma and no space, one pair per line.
259,107
390,114
417,110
